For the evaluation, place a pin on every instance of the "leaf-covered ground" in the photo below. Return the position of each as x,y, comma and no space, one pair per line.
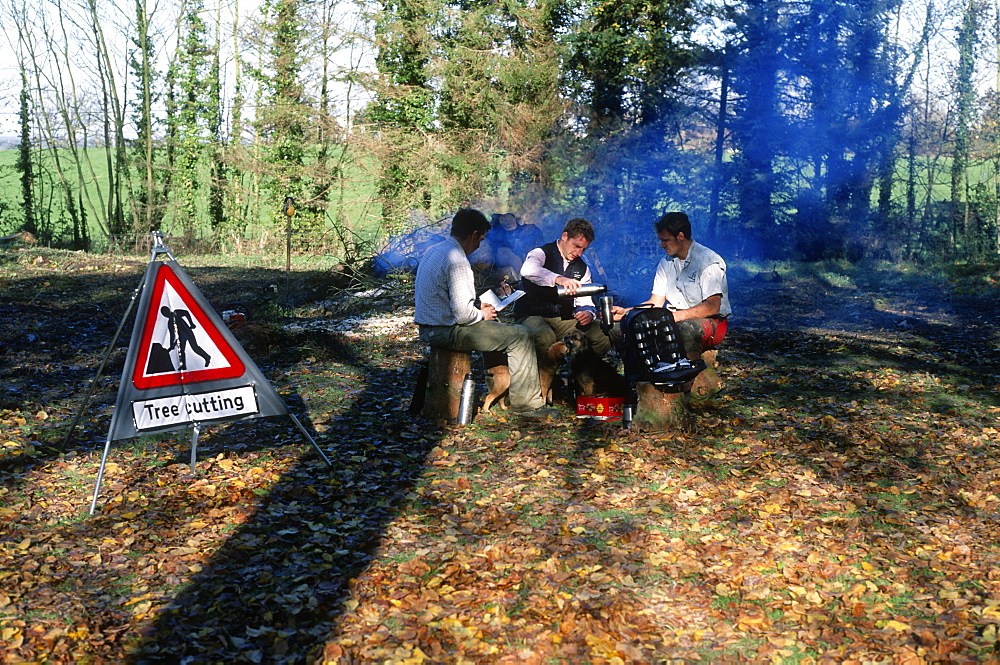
839,502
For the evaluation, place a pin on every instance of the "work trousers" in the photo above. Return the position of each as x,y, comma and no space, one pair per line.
514,340
545,331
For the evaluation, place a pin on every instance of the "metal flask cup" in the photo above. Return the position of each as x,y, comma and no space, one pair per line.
584,290
628,413
606,317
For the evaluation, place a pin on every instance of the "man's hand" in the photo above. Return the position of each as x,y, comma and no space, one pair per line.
583,317
503,289
618,313
571,285
489,312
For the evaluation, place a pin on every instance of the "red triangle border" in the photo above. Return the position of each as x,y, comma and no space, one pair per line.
236,367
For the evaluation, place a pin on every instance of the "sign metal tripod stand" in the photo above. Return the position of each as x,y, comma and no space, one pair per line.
184,367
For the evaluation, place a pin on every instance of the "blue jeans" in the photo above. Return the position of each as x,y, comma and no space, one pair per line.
514,340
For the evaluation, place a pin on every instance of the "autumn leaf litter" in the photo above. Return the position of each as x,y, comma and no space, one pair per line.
838,503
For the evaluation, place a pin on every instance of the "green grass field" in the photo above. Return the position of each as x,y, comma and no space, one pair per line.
351,204
257,227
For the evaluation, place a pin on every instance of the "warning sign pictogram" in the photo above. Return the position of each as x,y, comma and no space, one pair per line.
180,342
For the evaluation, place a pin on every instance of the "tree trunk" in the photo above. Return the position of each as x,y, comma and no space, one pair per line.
446,371
715,203
658,410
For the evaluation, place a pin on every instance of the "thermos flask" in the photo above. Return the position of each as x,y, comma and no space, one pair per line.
628,412
583,291
606,317
465,401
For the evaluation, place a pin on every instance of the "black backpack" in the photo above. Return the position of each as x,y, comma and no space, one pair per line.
652,351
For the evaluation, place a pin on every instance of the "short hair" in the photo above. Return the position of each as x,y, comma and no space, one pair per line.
674,223
579,227
467,221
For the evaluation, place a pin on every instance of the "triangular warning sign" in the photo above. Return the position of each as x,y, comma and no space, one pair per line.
180,342
183,365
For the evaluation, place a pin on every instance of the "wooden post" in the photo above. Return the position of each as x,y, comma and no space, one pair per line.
445,372
660,409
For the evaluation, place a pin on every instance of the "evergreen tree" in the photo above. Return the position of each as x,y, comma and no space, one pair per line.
149,194
850,113
758,125
963,234
628,57
624,69
470,97
190,116
25,161
817,96
501,101
284,119
404,108
218,171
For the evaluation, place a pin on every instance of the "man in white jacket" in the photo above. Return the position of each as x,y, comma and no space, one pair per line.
691,282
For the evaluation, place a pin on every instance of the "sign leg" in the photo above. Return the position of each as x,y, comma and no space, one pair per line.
104,362
100,474
194,446
305,433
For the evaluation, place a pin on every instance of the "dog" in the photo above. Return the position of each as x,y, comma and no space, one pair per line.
548,367
498,373
497,380
596,376
592,374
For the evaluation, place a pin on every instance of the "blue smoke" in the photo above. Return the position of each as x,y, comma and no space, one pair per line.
623,193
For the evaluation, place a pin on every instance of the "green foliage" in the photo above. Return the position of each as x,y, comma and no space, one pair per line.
9,221
188,115
779,122
627,56
471,98
403,110
25,162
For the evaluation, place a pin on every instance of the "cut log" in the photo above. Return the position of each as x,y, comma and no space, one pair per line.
446,370
660,408
707,384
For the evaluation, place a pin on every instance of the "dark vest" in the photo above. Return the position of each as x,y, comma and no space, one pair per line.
544,300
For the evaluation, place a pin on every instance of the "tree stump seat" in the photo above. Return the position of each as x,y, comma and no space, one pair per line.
446,370
660,408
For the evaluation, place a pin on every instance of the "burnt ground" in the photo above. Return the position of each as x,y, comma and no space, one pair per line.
912,320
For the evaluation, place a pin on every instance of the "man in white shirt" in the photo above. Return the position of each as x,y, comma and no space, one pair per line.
691,282
447,315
